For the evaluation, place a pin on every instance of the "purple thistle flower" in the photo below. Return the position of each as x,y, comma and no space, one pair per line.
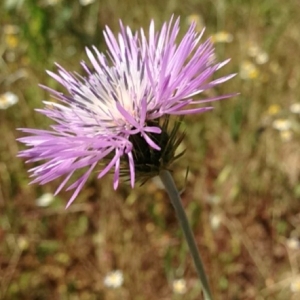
117,115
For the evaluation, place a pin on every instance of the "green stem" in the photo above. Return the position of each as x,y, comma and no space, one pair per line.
173,193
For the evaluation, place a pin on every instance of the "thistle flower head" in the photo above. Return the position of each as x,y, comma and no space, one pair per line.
116,115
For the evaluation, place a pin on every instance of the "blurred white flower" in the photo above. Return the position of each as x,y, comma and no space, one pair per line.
253,49
293,243
10,29
295,108
22,243
262,58
215,221
248,70
282,124
86,2
8,99
114,279
45,200
179,286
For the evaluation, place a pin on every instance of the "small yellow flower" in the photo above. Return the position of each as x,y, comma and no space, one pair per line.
295,285
11,38
114,279
179,286
286,135
196,19
22,243
222,37
11,41
273,109
248,70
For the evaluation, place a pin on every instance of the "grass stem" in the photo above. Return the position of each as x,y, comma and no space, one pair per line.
173,193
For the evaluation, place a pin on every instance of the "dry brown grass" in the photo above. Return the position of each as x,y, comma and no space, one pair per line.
242,173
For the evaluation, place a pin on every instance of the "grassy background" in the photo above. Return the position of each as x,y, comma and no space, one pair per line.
243,191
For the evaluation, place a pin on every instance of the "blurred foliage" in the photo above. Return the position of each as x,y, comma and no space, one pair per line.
242,194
